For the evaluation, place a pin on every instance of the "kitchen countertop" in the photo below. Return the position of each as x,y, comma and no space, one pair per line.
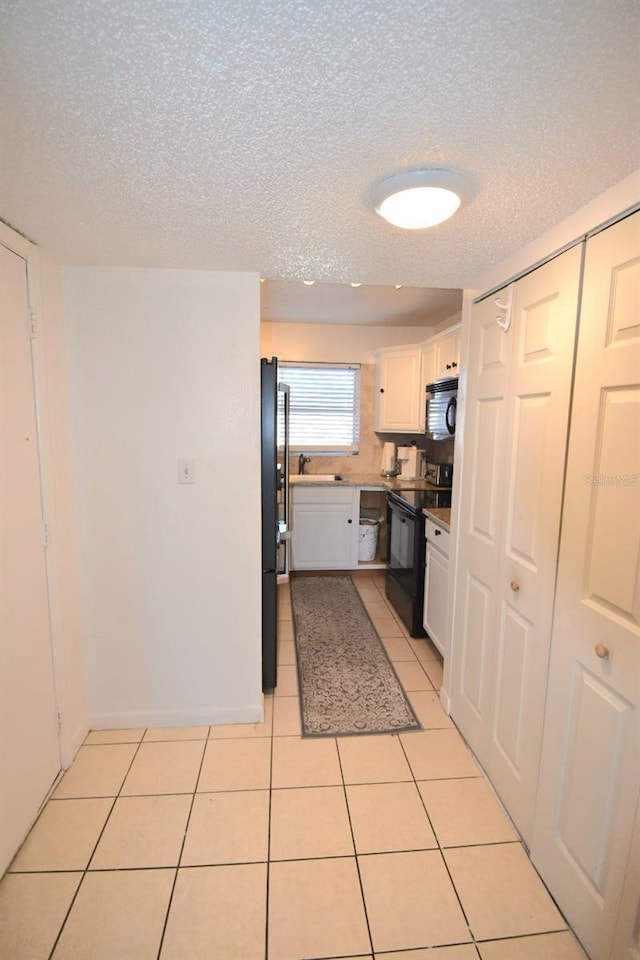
368,480
440,515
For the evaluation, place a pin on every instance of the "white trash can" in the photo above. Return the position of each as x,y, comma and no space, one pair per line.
368,539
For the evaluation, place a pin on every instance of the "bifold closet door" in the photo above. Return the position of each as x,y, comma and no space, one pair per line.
590,769
516,417
29,751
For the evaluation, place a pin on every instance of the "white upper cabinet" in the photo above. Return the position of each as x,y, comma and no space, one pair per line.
402,374
447,355
428,361
399,390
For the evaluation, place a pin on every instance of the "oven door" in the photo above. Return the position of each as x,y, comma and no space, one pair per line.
401,539
404,579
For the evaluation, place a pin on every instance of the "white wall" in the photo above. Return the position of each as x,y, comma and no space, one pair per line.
334,342
60,508
164,365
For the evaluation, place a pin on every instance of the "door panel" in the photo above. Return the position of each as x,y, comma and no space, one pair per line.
598,723
613,507
514,646
530,436
537,330
488,429
516,433
590,767
29,751
475,636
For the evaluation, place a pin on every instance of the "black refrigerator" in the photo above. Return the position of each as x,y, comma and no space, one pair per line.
275,509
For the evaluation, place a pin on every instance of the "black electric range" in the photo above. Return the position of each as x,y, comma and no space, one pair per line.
404,580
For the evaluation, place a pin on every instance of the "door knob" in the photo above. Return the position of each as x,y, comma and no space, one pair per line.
602,651
515,586
349,520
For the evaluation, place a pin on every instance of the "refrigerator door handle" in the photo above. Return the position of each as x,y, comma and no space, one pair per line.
284,523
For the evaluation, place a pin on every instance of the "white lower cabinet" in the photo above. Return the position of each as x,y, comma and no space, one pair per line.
436,585
324,528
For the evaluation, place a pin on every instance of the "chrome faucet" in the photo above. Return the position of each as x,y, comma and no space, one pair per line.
301,462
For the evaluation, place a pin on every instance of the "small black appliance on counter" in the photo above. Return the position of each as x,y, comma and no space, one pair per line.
439,474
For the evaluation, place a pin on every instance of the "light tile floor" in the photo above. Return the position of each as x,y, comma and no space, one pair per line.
250,842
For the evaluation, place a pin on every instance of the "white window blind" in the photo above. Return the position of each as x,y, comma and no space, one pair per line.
324,406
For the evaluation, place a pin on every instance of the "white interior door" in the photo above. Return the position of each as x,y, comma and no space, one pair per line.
516,430
29,751
590,771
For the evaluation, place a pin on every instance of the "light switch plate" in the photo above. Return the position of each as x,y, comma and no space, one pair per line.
185,471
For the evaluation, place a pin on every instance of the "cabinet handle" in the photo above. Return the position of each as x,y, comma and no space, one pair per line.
381,389
454,365
602,651
437,532
515,586
448,366
349,520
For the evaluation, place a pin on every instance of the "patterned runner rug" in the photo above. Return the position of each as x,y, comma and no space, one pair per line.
347,682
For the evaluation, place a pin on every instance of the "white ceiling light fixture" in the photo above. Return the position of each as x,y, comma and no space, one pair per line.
308,283
415,199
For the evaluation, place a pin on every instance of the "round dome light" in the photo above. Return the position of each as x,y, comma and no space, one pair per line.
416,199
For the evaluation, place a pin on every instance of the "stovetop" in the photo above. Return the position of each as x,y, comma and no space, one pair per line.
418,499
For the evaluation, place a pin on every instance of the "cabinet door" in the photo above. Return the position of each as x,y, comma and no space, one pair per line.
399,392
590,770
518,392
427,375
447,356
436,579
324,534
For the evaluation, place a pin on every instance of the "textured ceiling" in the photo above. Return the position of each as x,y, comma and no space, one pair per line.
288,301
246,134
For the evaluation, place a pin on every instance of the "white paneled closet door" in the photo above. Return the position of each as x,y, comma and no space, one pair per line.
590,770
516,419
29,750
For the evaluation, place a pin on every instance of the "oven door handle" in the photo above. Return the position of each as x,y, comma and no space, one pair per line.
406,512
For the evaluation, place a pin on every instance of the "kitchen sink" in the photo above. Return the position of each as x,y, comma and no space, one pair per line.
315,477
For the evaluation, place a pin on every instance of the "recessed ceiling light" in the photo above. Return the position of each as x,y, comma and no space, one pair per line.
308,283
398,286
415,199
262,279
355,285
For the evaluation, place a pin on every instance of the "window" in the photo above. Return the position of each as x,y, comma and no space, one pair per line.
324,407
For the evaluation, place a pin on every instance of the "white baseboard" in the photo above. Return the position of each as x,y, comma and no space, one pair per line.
70,743
200,716
445,700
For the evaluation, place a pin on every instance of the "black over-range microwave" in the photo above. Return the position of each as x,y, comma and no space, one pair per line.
440,415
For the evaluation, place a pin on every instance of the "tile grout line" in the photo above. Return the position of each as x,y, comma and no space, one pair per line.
104,827
355,852
184,840
437,839
268,864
